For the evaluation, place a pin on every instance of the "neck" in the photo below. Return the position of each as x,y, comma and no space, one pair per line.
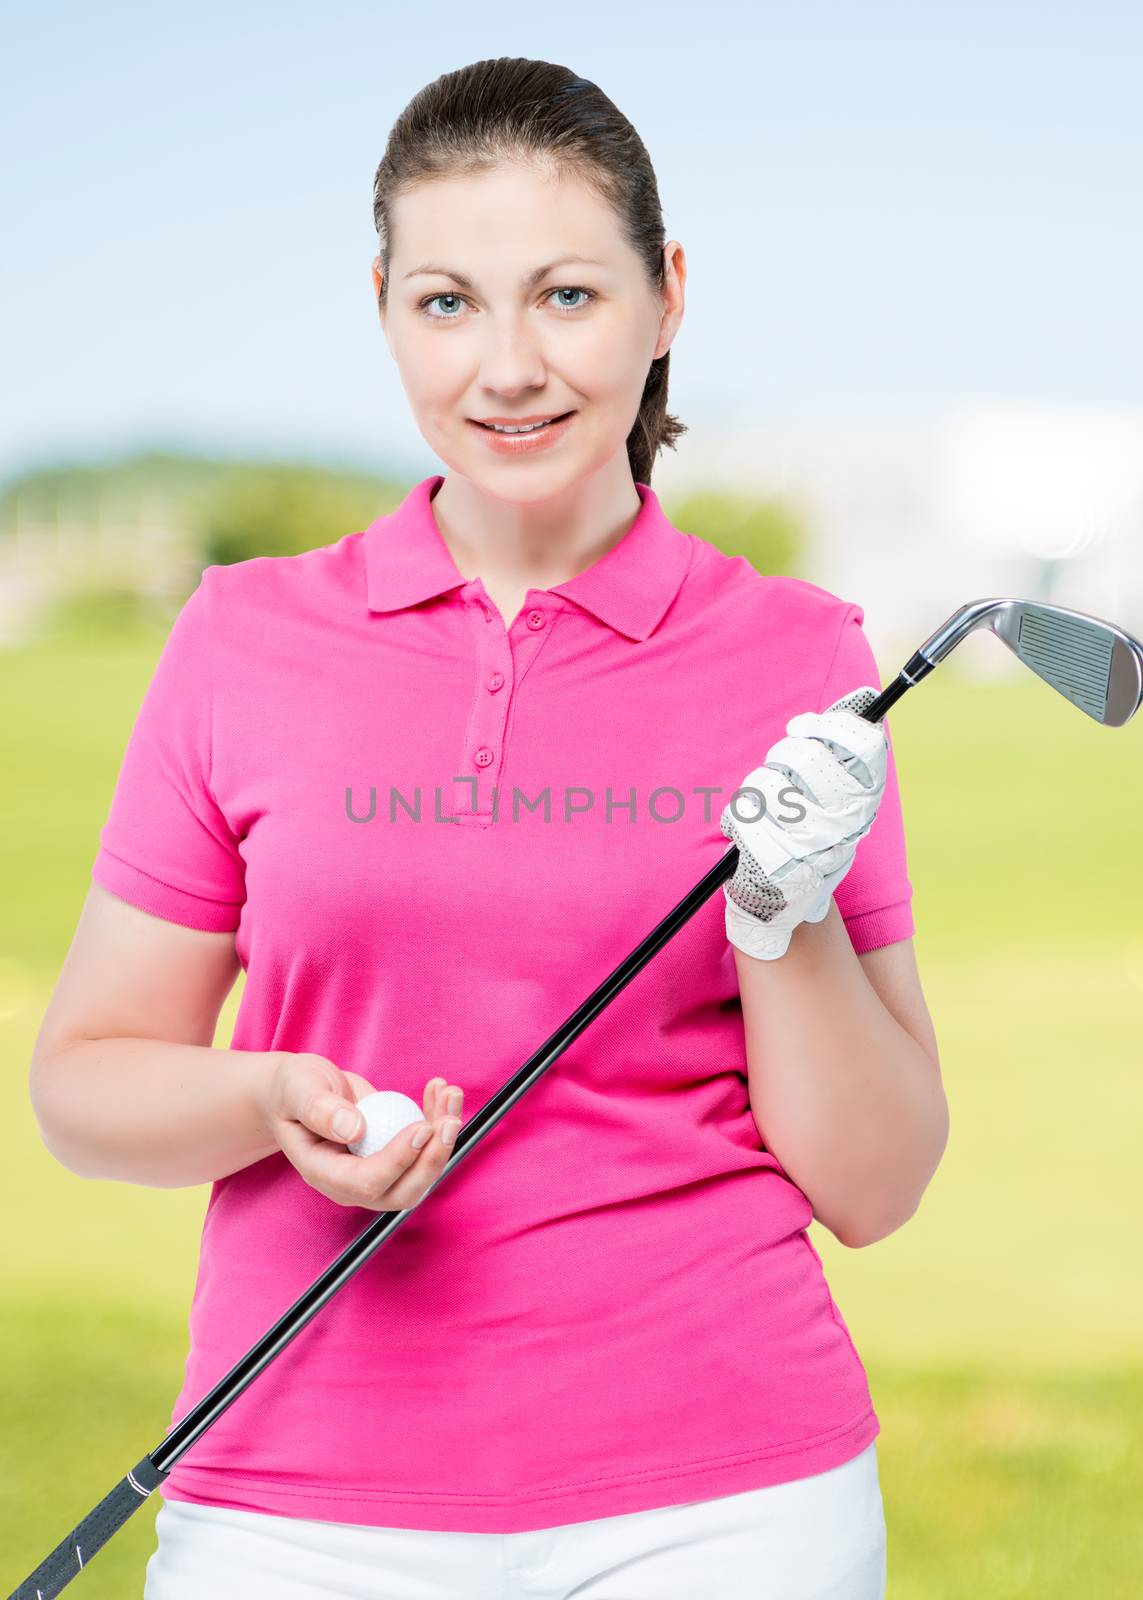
538,543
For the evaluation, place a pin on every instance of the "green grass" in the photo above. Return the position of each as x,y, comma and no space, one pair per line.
1001,1328
995,1484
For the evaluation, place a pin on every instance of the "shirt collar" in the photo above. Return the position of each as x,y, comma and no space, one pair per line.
629,589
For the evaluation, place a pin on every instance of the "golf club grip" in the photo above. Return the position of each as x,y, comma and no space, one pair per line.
72,1554
888,696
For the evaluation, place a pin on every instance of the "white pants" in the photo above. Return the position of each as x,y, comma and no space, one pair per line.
817,1538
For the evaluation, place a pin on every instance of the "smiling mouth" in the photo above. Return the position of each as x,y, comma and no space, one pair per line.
534,428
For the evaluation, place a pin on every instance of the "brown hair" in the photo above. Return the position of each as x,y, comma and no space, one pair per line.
510,108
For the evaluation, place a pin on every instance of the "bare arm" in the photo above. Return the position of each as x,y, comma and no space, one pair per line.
124,1081
844,1076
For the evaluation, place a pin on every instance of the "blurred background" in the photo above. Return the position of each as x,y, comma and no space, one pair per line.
912,370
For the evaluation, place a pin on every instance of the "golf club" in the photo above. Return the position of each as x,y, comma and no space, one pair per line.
1094,664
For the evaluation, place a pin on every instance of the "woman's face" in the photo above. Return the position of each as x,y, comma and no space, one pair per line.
473,340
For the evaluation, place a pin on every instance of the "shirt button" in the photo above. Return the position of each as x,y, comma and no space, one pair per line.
496,681
483,756
535,619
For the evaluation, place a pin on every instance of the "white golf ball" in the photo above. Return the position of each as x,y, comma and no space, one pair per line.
385,1113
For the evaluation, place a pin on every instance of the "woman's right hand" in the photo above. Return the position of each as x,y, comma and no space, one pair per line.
298,1103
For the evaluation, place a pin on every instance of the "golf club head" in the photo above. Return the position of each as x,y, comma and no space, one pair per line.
1092,663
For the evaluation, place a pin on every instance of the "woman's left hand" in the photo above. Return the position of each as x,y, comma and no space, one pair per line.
788,869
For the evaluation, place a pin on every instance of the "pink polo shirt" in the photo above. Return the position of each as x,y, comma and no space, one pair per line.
433,836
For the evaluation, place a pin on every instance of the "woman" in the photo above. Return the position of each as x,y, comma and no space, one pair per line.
428,785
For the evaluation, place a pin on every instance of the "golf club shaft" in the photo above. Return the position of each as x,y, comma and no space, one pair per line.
354,1256
72,1554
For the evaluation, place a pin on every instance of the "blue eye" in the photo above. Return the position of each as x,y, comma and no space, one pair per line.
428,302
588,292
566,310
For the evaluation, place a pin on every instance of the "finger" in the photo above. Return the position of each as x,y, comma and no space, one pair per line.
315,1104
417,1180
342,1176
448,1100
336,1117
834,807
431,1097
763,857
359,1087
845,731
816,770
761,793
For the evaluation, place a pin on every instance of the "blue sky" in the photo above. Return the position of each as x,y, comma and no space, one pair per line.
885,210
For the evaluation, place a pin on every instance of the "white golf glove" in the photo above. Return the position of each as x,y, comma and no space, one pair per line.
788,869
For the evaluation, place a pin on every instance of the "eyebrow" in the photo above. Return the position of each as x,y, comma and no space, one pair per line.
527,282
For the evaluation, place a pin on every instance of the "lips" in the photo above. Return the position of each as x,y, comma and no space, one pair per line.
490,429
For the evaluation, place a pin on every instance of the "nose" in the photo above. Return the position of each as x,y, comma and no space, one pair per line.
511,360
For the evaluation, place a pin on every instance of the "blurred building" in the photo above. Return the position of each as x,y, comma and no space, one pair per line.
912,522
53,547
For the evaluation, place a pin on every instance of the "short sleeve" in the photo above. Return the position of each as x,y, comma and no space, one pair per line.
166,846
875,895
